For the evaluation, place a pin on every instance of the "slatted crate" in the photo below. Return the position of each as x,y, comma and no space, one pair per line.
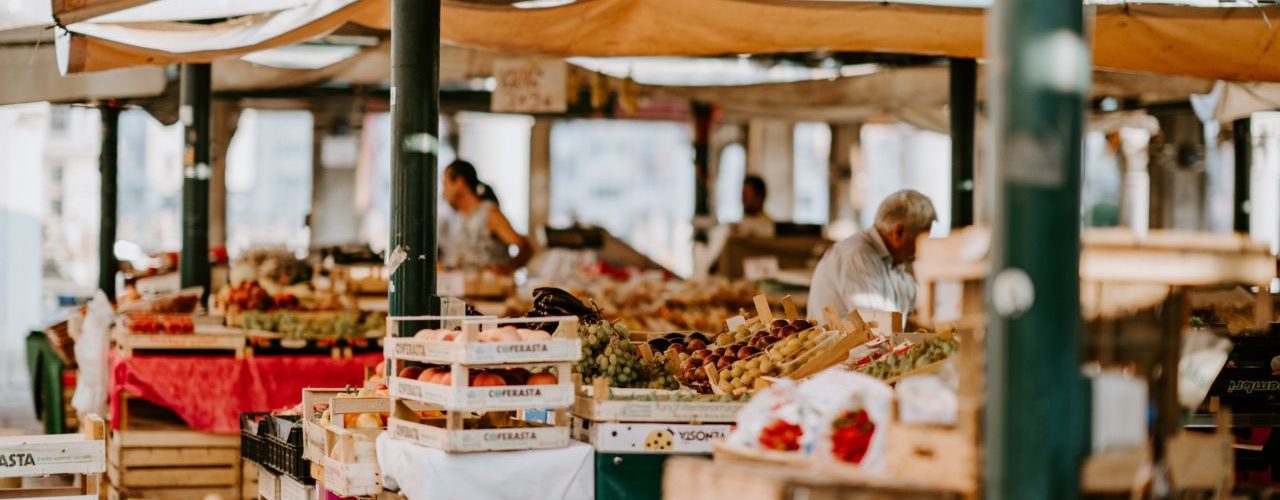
82,455
173,464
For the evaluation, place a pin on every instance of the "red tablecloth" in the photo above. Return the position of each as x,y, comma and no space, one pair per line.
210,392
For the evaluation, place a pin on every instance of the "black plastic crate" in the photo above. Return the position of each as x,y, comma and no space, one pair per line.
275,442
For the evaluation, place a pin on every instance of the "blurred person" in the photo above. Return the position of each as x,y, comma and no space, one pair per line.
870,270
755,223
479,236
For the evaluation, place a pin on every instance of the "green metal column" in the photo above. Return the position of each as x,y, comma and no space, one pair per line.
1242,135
1037,410
107,161
702,115
195,98
964,89
415,129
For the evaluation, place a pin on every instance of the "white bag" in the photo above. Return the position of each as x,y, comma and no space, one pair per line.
91,355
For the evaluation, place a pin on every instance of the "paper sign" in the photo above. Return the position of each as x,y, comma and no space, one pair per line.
529,86
451,284
759,268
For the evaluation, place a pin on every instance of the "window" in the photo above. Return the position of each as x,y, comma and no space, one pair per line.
899,156
634,178
269,180
729,175
149,183
811,157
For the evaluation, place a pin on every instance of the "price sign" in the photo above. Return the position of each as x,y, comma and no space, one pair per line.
451,284
760,268
529,86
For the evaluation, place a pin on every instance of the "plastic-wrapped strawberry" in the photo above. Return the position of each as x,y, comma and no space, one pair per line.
781,435
851,436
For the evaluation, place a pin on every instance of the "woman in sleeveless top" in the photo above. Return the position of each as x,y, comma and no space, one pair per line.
481,235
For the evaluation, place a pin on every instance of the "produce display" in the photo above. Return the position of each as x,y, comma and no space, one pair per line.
159,323
909,357
741,357
295,325
655,303
500,334
441,374
607,352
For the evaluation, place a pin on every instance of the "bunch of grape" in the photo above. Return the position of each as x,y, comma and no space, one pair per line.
658,374
607,352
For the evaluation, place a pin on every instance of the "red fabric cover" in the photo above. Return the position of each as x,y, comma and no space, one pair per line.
210,392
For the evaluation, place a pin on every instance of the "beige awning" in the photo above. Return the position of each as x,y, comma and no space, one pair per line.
85,47
1207,42
31,74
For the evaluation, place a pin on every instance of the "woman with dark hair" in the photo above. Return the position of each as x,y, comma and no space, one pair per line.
482,235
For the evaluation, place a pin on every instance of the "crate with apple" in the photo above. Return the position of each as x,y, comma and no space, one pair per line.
463,432
350,459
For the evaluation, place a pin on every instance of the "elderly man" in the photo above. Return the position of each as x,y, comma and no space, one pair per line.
868,271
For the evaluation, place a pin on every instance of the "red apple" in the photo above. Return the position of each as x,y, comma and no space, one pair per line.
410,372
542,379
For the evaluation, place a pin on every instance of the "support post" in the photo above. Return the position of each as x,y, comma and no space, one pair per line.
703,114
108,158
415,130
964,88
1037,410
195,100
1242,137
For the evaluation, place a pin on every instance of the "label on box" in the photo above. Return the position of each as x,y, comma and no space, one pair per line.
22,457
650,438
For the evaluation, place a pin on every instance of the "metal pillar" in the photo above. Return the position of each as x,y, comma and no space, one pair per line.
107,161
702,116
964,88
1037,410
415,129
1242,136
195,99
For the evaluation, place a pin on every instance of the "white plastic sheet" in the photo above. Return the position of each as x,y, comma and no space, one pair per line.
425,473
91,355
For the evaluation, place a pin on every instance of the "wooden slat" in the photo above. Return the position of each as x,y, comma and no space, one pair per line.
171,493
177,476
173,439
171,457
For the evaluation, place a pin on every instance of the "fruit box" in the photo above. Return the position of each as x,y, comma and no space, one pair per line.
563,346
461,396
345,472
204,339
451,435
611,437
313,432
626,408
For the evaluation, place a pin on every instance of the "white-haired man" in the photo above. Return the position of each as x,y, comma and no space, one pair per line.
868,271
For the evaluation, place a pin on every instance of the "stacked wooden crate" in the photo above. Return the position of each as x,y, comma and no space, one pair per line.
177,464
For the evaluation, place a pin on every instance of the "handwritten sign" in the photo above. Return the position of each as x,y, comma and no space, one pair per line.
451,284
529,86
759,268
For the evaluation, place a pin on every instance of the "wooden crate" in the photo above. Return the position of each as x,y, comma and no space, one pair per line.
83,455
174,464
250,476
448,432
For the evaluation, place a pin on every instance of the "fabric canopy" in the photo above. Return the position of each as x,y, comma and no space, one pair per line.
31,74
1205,42
84,47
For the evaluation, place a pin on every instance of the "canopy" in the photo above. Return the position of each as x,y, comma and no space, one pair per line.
1208,42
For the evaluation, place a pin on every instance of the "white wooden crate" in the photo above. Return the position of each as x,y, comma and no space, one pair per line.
459,395
467,349
449,433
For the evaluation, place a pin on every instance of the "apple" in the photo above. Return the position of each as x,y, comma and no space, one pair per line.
410,372
485,379
542,379
381,369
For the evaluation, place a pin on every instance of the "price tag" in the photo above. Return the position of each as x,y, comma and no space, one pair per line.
451,284
760,268
735,322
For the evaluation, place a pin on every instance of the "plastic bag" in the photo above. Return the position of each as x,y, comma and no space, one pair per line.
929,399
846,416
91,355
1203,356
771,420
